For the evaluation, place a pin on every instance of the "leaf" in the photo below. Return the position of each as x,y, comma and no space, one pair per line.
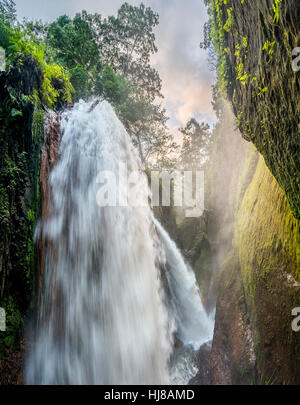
15,113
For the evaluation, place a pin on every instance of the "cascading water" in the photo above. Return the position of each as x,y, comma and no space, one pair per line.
102,318
193,326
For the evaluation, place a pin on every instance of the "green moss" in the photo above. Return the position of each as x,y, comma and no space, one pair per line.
222,21
260,279
269,47
230,20
276,9
267,234
20,143
246,176
255,74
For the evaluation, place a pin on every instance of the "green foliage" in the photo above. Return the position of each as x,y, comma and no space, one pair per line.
126,43
14,324
81,83
15,113
30,84
114,88
74,42
7,11
241,56
269,47
276,9
73,45
110,57
245,42
218,29
229,21
146,122
56,84
260,251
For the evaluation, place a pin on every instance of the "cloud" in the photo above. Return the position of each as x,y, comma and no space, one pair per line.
181,63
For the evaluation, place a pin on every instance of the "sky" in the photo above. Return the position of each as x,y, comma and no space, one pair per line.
182,65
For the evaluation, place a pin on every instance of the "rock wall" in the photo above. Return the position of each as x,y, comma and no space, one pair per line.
22,109
256,40
259,283
48,160
259,286
21,119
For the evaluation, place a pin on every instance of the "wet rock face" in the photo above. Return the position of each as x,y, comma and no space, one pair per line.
203,377
27,74
267,241
49,158
263,86
258,288
259,284
21,133
11,366
233,357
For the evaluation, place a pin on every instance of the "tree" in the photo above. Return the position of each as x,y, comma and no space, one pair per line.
74,41
207,42
197,142
110,57
127,42
112,87
36,30
207,45
147,123
217,101
74,45
7,11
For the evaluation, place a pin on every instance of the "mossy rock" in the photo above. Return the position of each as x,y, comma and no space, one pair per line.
259,286
258,78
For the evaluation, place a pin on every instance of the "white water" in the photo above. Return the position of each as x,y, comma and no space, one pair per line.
194,326
102,318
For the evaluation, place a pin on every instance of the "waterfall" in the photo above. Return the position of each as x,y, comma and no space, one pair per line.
194,327
103,317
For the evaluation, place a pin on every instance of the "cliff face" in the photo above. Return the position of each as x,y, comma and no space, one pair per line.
20,142
48,160
255,40
260,280
28,86
258,288
21,123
